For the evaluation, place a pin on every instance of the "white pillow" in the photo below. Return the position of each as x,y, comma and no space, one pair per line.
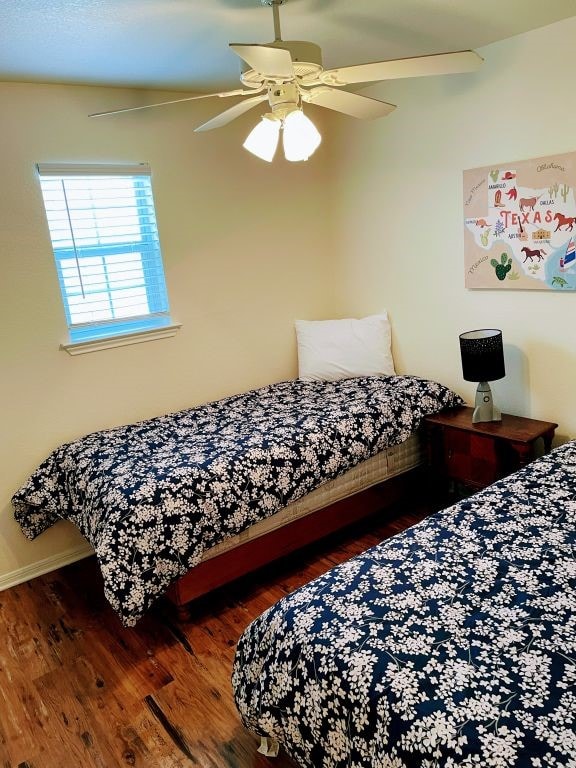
340,349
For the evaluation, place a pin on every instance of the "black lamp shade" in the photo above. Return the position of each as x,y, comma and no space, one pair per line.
482,355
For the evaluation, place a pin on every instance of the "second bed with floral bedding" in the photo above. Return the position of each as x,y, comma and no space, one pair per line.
152,497
451,644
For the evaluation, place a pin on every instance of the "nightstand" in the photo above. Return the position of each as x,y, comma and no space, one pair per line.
466,457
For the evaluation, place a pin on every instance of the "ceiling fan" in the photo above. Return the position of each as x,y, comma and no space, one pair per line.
286,73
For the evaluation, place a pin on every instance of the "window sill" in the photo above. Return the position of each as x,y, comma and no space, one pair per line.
95,345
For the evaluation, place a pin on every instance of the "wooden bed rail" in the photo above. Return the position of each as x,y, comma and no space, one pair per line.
251,555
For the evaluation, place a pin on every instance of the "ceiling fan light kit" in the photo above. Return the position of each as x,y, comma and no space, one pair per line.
288,72
300,137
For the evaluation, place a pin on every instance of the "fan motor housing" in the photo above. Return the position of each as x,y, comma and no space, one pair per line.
306,57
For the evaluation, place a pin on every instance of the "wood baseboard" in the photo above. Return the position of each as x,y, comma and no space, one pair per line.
40,567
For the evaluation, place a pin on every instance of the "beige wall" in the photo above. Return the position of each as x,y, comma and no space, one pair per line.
246,251
400,208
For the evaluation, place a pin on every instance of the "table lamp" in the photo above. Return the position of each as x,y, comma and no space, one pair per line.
483,361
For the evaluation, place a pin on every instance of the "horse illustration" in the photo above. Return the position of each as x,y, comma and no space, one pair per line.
528,202
531,253
564,221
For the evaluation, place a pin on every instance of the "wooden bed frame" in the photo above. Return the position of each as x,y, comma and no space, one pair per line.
251,555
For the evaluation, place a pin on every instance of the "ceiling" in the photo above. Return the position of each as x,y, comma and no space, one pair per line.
183,44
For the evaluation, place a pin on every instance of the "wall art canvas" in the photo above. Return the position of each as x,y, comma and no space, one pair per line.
520,224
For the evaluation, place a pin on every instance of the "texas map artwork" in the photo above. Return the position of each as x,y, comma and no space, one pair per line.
520,224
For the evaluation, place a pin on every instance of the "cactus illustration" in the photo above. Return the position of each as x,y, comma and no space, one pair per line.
495,174
484,237
553,189
564,191
503,267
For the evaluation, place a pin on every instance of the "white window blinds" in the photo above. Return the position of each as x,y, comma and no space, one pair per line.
103,229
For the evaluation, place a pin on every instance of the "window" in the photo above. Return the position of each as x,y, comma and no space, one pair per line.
103,229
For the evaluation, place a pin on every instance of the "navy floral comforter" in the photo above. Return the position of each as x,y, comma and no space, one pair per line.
151,497
451,644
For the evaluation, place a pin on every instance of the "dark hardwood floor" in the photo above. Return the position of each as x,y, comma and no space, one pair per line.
79,690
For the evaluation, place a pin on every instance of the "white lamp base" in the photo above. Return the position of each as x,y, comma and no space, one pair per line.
484,409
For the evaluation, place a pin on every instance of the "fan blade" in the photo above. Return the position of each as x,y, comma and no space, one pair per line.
352,104
420,66
231,114
267,60
222,95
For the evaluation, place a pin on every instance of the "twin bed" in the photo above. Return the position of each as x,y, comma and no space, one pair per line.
451,644
182,503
